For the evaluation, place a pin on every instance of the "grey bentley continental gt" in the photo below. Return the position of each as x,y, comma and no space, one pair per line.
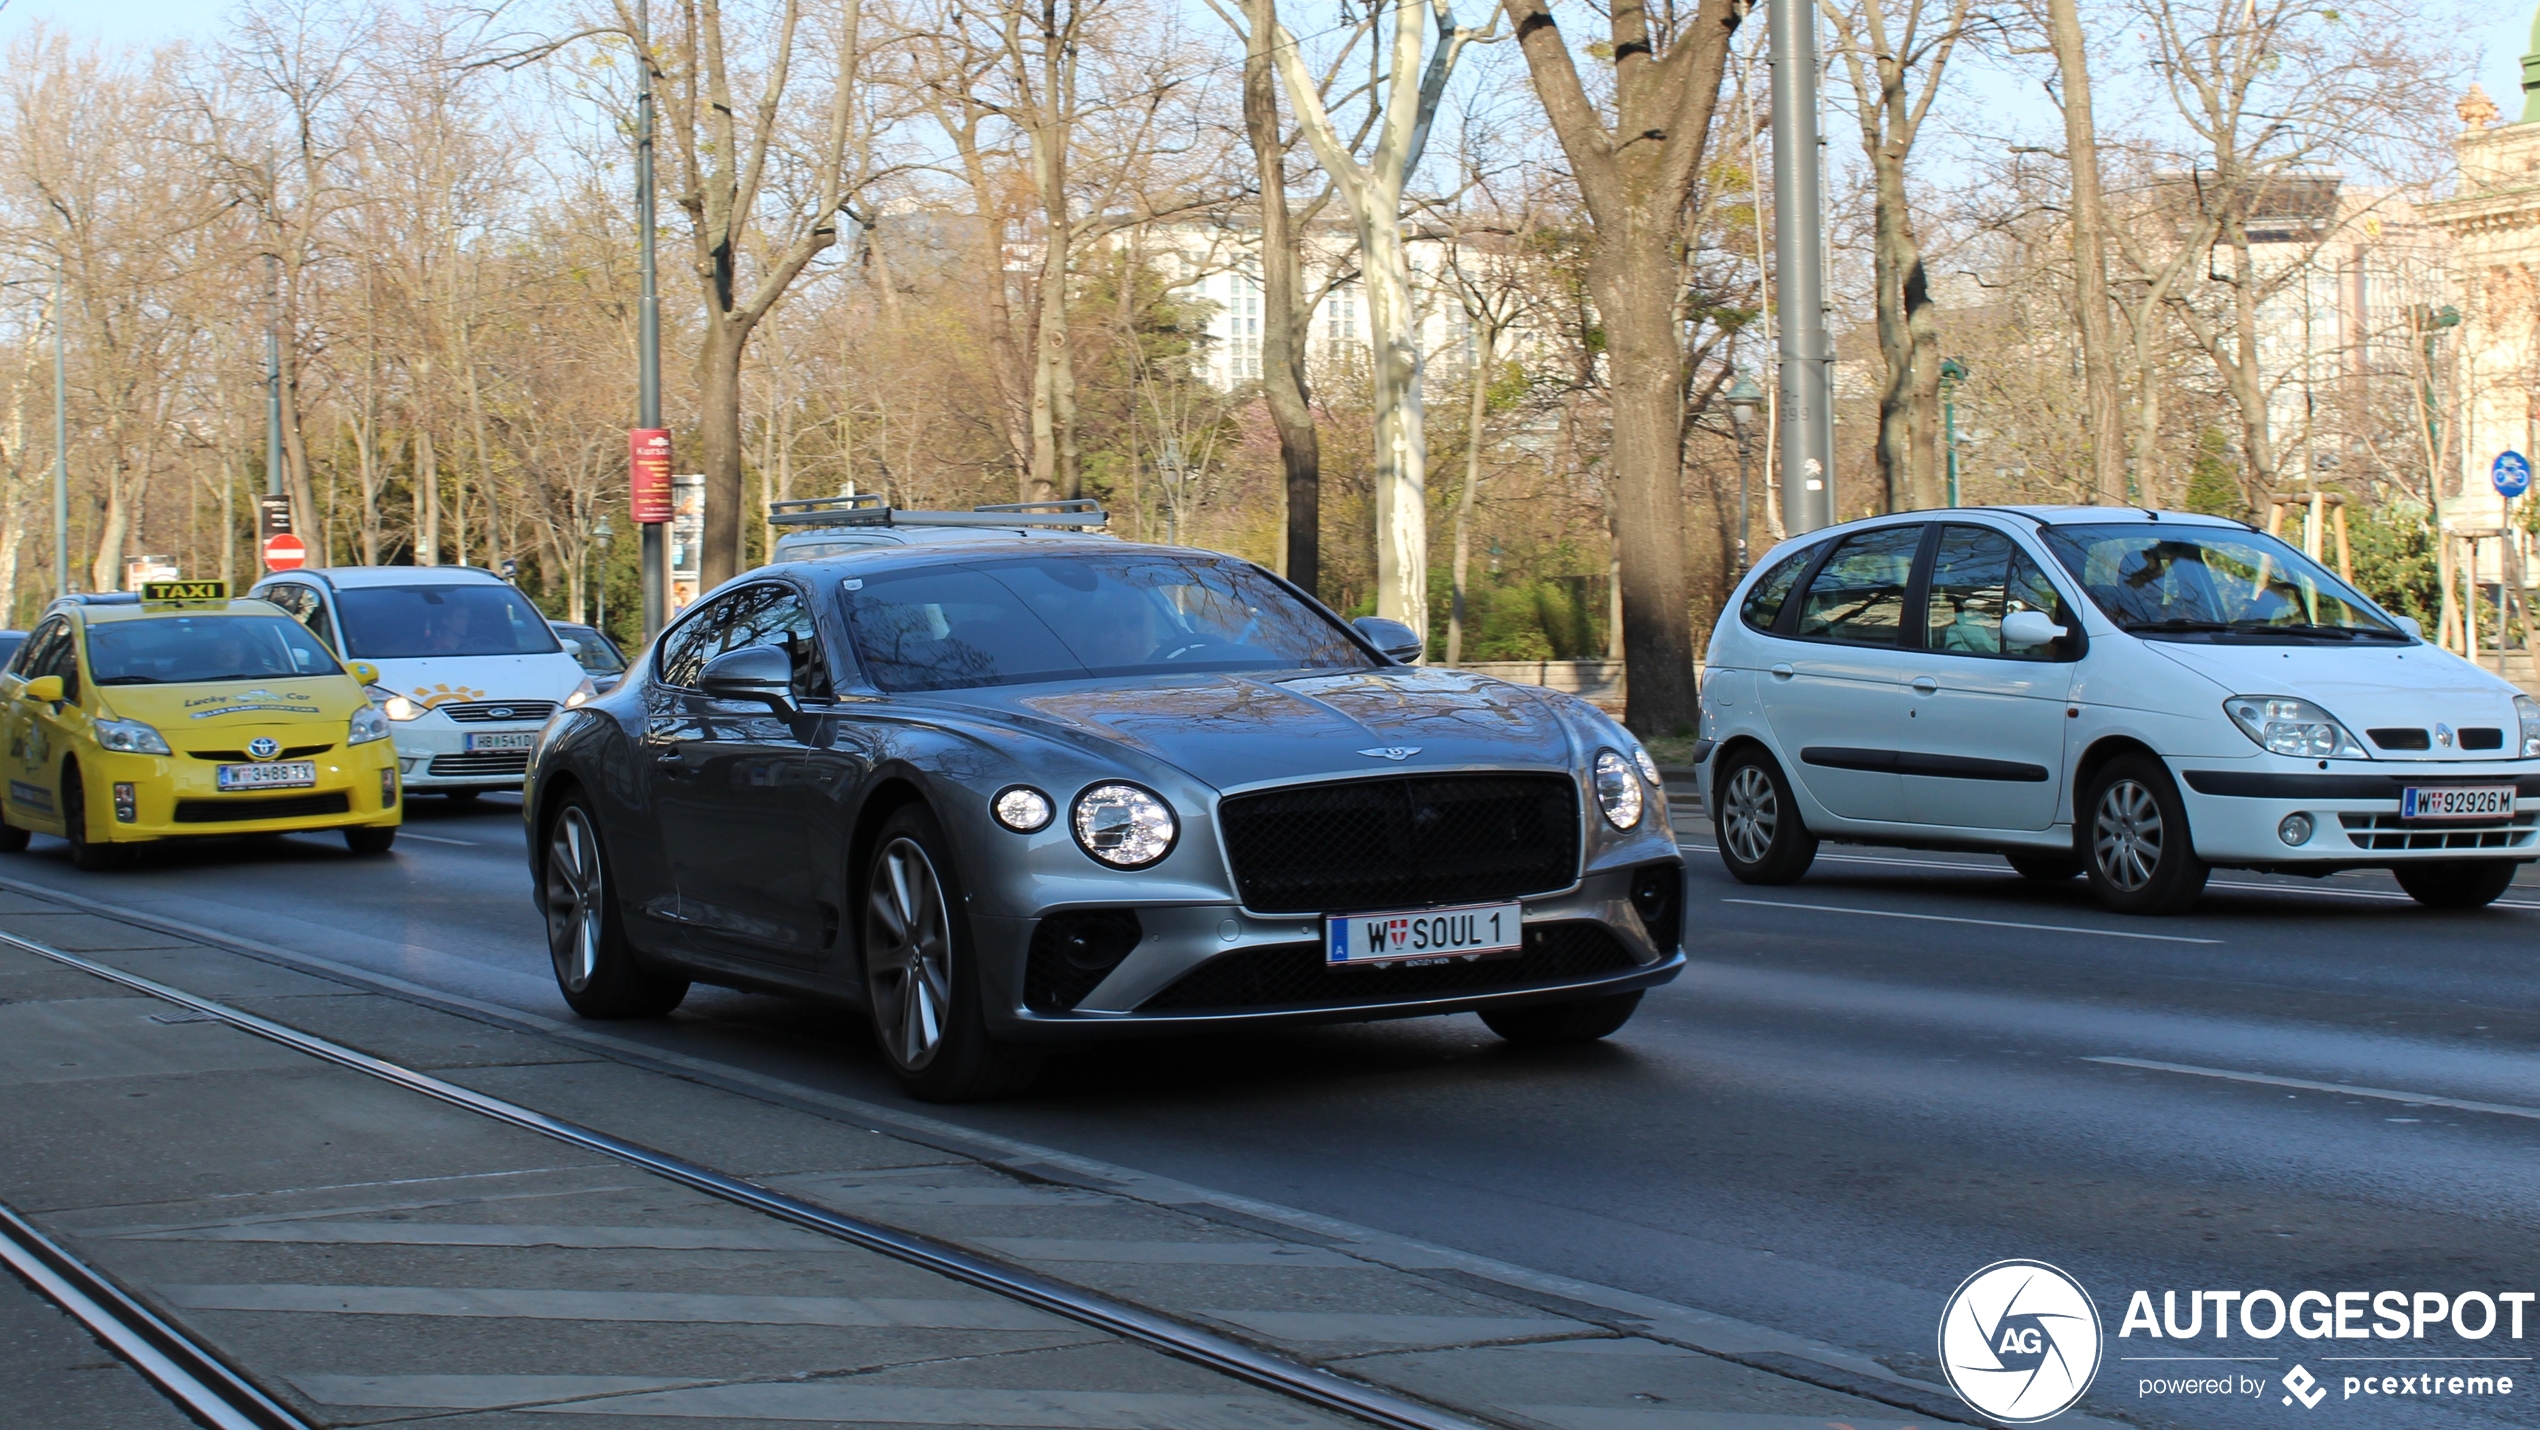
997,794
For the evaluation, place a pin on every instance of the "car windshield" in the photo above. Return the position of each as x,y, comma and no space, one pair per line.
1007,622
596,653
183,650
417,622
2205,583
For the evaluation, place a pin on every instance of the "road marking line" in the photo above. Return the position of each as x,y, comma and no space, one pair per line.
1398,1329
419,1233
438,839
1988,923
2412,1099
1170,1253
2380,894
833,1403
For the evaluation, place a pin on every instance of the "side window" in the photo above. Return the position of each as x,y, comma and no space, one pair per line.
306,606
685,651
1858,596
37,650
63,660
775,614
1969,572
1765,598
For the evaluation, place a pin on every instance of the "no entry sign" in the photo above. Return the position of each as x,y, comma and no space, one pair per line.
285,552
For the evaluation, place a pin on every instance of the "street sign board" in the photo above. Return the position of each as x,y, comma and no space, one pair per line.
285,552
648,467
2512,474
273,515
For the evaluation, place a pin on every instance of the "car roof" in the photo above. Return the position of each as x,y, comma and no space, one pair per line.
917,536
986,544
355,577
96,612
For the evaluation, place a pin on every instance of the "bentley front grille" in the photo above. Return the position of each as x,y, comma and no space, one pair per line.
1402,843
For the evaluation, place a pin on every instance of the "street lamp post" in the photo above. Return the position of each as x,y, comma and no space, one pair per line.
1952,372
61,450
1172,491
1743,396
648,314
601,532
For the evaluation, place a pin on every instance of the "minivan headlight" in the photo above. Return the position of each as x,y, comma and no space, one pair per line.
2528,710
391,704
368,725
2282,725
130,737
1123,826
1617,790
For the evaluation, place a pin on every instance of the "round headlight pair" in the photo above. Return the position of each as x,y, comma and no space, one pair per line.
1120,825
1618,791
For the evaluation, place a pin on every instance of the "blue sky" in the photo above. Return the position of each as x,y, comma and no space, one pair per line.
2501,30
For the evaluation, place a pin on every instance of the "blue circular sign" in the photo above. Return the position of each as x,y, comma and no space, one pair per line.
2512,474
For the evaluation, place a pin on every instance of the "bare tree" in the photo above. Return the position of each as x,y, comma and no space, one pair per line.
2089,229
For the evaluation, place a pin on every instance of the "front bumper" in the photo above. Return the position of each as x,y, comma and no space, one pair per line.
2234,809
1588,942
177,796
433,757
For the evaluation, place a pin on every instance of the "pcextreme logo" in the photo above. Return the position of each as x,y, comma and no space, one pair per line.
2019,1341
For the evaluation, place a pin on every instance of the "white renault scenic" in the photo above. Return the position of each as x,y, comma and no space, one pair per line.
2136,696
463,666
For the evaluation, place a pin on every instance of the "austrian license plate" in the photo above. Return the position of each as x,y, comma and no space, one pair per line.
479,744
2457,802
282,774
1428,936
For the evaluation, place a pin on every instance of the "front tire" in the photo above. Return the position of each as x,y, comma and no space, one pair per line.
370,839
1755,821
596,968
2045,868
87,855
460,797
921,972
2456,883
13,839
1547,1025
2140,856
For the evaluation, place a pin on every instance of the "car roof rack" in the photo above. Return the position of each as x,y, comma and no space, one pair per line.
868,509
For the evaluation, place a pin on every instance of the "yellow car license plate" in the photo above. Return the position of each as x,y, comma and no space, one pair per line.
282,774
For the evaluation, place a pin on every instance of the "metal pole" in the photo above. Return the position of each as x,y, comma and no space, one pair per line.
1951,371
1745,445
654,558
61,449
273,398
1806,379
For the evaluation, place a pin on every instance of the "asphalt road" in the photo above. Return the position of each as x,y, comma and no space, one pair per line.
1865,1087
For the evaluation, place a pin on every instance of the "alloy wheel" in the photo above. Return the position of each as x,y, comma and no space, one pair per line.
909,954
1750,814
575,886
2126,833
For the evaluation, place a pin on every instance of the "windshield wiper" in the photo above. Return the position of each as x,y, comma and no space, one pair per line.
2176,625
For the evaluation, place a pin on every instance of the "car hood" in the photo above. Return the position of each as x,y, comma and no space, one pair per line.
2417,686
440,680
184,712
1239,729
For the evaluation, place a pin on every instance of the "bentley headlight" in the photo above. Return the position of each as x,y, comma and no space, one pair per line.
1648,766
1617,790
129,737
1124,826
2283,725
368,725
391,704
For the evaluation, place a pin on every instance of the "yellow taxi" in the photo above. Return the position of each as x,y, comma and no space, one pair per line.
180,711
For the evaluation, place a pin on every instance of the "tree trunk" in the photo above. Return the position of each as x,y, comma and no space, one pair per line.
719,444
1634,279
1283,317
1402,443
1474,413
2105,416
427,501
1909,341
105,572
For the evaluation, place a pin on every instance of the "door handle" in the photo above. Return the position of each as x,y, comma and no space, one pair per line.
669,759
1781,672
1925,685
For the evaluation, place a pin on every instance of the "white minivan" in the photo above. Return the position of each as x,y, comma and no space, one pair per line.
2130,695
465,668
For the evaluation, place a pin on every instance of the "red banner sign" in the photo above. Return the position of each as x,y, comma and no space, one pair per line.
285,552
648,452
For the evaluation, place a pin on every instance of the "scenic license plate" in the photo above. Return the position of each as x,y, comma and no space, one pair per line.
1427,935
290,774
478,744
2457,802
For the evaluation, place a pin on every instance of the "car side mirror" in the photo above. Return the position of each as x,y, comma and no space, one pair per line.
763,673
1396,640
44,688
573,647
2030,628
2410,624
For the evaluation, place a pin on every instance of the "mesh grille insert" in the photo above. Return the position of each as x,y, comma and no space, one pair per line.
237,811
1295,975
489,762
2389,831
1402,843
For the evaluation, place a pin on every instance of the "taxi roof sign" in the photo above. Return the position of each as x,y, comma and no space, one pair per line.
185,590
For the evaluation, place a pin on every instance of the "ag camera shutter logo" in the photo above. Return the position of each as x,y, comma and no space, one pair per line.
2019,1341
